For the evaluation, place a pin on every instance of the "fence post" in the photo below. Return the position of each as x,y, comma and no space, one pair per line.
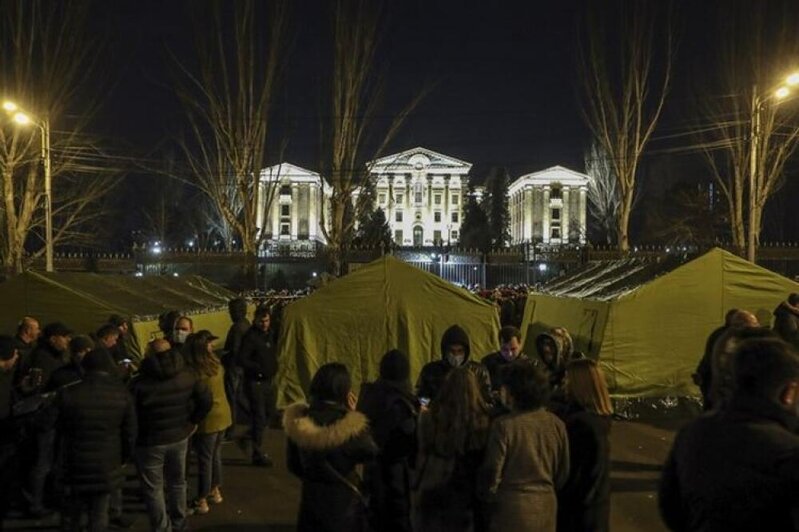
483,277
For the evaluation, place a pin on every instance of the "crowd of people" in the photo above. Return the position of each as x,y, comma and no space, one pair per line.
505,442
500,441
75,409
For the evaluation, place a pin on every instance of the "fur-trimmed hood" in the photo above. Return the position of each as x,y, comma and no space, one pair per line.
307,434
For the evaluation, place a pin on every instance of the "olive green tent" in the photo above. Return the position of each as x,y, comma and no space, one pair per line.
383,305
647,321
84,301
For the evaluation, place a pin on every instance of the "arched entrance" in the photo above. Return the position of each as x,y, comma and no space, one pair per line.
418,236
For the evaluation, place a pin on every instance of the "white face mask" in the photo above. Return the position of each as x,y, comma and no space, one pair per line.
455,360
180,336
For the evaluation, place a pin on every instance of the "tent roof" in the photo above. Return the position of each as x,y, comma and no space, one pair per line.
609,280
137,297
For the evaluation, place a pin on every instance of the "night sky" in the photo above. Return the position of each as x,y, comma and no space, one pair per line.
506,84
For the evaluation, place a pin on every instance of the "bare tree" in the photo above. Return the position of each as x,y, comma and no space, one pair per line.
229,100
352,137
623,98
603,191
755,42
45,65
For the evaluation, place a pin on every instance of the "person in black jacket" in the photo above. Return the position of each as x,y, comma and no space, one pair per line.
737,468
170,402
258,360
510,350
51,354
584,501
326,441
392,410
79,346
9,433
233,373
455,350
97,426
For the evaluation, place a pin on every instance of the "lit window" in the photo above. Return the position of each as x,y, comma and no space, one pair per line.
455,217
437,216
398,216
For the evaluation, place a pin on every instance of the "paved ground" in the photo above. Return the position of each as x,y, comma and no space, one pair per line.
266,500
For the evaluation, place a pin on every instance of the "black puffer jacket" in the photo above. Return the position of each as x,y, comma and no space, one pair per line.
786,323
433,373
97,423
736,469
257,356
169,399
326,443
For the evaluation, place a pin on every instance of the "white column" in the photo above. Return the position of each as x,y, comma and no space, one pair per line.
313,205
274,212
582,206
295,203
545,215
564,222
528,210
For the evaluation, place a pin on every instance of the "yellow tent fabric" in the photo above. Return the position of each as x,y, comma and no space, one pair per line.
384,305
84,301
648,325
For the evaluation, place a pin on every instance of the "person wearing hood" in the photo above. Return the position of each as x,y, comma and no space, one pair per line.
237,308
97,428
79,346
786,320
509,351
555,351
455,351
326,441
392,411
170,402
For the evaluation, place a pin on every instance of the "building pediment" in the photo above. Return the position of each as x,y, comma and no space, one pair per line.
419,159
555,174
289,172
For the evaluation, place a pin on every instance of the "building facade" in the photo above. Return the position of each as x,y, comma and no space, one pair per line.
549,207
296,199
423,195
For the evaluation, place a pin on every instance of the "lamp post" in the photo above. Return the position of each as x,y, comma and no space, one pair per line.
758,102
23,118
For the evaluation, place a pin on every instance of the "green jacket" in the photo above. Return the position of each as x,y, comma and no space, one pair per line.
219,417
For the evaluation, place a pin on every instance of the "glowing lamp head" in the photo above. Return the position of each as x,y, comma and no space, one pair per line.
793,79
781,93
9,106
22,118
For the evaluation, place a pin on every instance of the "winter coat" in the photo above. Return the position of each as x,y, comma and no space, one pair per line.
445,488
786,323
169,400
65,375
219,417
584,501
392,413
494,364
556,367
433,373
734,470
46,358
233,340
325,444
526,462
258,356
97,424
704,371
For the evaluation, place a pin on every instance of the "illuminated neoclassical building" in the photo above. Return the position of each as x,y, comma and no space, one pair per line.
549,207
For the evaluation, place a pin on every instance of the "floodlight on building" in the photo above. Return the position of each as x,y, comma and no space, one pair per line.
542,267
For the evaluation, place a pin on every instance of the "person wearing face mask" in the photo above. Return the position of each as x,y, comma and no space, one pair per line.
183,328
737,468
455,349
510,350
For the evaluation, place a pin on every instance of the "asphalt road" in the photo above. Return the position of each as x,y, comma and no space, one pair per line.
266,500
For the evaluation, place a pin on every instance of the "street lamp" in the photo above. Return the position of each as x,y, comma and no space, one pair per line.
24,119
758,102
